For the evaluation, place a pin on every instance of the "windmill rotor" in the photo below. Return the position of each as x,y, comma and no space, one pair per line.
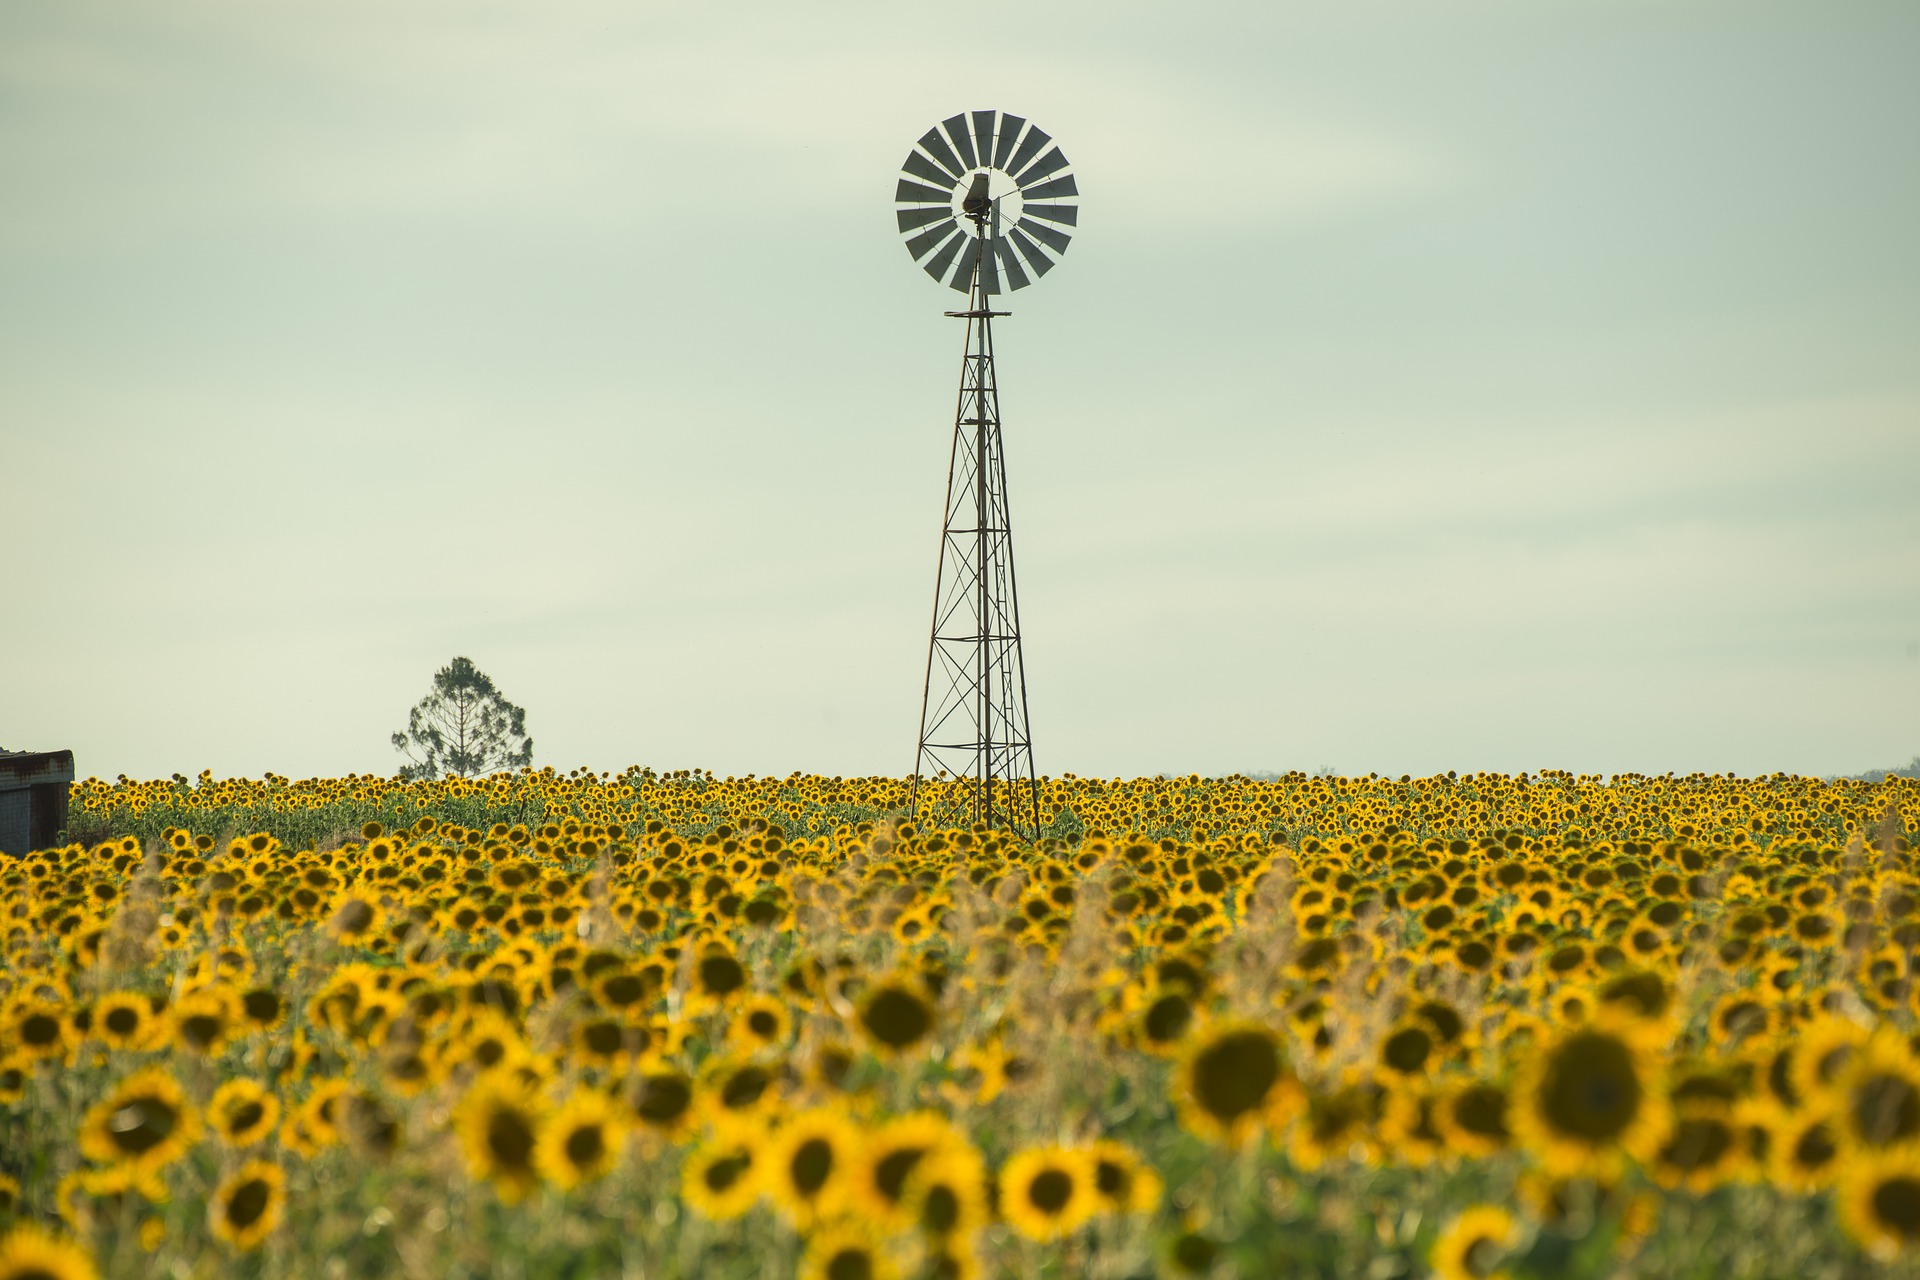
986,175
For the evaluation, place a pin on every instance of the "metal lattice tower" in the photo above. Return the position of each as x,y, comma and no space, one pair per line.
984,222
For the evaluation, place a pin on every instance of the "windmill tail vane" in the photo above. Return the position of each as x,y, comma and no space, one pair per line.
982,201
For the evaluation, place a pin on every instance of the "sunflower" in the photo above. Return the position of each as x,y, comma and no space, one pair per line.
321,1113
377,1012
1738,1016
1409,1049
662,1102
614,1043
1880,1202
1821,1052
947,1193
1702,1149
914,925
1163,1020
1475,1244
500,1122
735,1093
484,1040
143,1125
357,915
1775,1066
999,1068
1757,1122
581,1141
809,1164
845,1251
1232,1079
38,1029
248,1204
718,978
1336,1124
124,1020
1638,993
1878,1092
263,1008
28,1253
1191,1254
295,1137
888,1158
896,1015
624,993
1409,1126
1587,1097
1806,1151
242,1112
1048,1192
721,1182
763,1022
203,1020
1122,1181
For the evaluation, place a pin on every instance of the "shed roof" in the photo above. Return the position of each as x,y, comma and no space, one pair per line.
32,768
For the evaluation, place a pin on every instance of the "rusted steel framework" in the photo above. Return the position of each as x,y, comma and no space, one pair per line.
973,708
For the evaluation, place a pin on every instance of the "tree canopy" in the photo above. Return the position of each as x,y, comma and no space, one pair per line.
464,726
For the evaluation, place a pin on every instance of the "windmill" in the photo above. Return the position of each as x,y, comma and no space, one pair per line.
985,203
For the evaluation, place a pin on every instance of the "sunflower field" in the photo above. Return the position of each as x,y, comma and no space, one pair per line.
656,1025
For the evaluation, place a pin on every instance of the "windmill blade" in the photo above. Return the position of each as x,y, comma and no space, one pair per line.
936,146
1066,213
983,136
911,218
1051,190
989,259
919,245
1010,127
1052,162
1010,264
1051,237
921,167
914,193
989,268
1039,261
963,270
956,127
936,266
1029,148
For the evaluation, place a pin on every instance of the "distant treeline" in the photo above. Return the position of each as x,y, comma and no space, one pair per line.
1910,770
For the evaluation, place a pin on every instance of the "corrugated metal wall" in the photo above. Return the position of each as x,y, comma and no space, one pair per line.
33,799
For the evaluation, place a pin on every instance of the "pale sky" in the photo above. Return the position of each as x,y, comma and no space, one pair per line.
1469,385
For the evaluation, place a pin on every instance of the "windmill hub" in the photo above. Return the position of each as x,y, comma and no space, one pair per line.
976,202
987,198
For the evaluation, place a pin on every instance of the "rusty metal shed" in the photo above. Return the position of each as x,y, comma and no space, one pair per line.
33,798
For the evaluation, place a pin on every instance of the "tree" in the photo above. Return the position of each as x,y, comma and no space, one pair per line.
1911,770
464,726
